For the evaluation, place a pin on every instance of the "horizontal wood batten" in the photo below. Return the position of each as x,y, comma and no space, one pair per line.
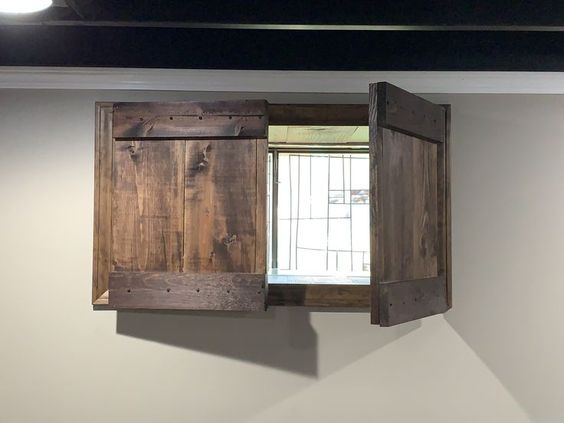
318,114
412,115
239,119
321,295
187,291
406,300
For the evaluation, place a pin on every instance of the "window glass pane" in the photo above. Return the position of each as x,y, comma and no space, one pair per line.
323,214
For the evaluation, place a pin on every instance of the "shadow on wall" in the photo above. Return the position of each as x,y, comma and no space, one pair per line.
282,338
508,243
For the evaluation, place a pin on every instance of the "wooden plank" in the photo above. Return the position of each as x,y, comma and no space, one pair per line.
448,220
221,207
410,114
187,291
376,201
318,114
406,300
261,246
102,200
148,206
219,119
326,295
409,207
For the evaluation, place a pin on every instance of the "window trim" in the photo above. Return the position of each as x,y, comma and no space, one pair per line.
317,295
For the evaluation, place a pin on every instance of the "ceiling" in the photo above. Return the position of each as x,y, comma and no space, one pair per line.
433,35
363,12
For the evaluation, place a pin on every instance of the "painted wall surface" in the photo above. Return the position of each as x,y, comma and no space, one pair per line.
496,357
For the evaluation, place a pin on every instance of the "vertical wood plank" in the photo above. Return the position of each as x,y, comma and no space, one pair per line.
221,206
445,149
411,232
261,207
148,206
102,200
376,196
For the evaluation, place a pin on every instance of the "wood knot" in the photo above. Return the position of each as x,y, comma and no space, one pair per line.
229,239
204,161
131,149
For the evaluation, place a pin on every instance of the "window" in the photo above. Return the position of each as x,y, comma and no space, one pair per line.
318,204
319,215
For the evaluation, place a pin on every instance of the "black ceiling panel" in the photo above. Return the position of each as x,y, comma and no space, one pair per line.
141,33
374,12
295,50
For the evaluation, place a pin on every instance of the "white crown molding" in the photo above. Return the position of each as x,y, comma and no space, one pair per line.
278,81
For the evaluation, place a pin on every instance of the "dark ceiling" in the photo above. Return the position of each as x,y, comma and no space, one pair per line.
299,35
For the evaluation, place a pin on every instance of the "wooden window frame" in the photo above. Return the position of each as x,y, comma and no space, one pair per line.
283,294
319,295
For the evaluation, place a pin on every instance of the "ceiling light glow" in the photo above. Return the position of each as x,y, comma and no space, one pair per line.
23,6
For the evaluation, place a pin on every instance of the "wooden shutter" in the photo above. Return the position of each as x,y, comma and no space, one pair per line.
188,206
409,200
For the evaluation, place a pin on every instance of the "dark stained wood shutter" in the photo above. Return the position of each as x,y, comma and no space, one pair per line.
409,195
188,213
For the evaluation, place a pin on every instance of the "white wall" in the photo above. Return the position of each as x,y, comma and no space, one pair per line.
496,357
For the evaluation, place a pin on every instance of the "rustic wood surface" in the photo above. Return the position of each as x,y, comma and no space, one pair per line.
187,291
148,206
322,295
196,204
406,300
102,200
409,207
219,119
427,245
318,114
261,247
375,153
410,114
447,216
221,206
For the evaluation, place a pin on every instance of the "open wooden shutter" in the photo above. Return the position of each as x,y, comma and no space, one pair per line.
188,206
409,200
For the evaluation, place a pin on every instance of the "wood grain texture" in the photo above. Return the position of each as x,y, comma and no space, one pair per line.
410,236
221,207
447,212
207,189
102,200
406,300
375,152
219,119
187,291
261,247
411,233
312,295
318,114
148,206
410,114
